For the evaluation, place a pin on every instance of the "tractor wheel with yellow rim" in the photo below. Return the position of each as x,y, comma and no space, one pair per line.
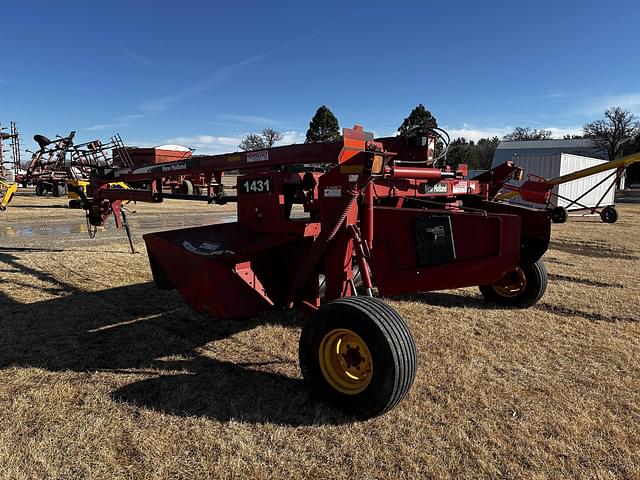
358,354
520,287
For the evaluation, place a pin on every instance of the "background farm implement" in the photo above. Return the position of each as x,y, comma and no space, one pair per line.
9,168
538,190
61,162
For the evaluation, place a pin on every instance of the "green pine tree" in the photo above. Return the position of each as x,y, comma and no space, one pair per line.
419,116
323,127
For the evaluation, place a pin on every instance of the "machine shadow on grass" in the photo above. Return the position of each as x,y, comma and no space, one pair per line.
445,299
129,330
39,206
591,249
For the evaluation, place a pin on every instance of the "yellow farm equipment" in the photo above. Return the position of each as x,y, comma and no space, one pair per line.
76,185
539,190
7,190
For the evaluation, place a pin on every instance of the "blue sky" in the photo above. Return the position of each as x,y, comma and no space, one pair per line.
204,73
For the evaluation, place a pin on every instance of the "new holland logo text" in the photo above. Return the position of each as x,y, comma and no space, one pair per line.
177,166
436,188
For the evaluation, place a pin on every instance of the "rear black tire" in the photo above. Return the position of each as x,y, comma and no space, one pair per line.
58,190
40,189
186,187
536,280
609,214
559,215
386,338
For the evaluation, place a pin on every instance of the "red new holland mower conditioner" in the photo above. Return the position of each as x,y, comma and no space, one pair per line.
369,224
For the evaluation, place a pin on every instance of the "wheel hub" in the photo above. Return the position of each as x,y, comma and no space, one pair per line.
512,283
345,361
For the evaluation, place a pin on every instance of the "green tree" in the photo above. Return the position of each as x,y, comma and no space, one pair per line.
460,151
485,150
527,133
323,127
478,155
419,117
614,132
262,141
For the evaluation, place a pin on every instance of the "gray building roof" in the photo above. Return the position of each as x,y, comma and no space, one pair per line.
585,147
546,144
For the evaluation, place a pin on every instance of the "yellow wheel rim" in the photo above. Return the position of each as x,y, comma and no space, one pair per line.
512,283
345,361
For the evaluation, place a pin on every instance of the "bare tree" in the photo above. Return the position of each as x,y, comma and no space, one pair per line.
271,136
266,139
252,141
612,133
527,133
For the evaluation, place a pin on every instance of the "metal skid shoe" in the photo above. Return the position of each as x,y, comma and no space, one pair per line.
358,354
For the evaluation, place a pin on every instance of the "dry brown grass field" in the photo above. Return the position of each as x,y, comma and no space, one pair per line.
102,376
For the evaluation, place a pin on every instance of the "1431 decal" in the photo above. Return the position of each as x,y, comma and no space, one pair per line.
257,185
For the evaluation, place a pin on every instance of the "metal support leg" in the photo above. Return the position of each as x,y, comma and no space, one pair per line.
127,229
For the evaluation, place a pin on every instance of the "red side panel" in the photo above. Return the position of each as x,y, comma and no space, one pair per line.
485,247
210,267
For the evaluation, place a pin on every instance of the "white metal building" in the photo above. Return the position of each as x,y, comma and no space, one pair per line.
550,165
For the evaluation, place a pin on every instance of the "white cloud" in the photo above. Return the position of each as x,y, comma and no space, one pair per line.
141,59
560,132
212,145
474,133
250,119
104,126
140,144
129,118
554,95
123,121
597,105
291,136
163,103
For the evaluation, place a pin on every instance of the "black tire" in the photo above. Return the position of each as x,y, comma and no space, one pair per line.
387,339
58,190
186,187
535,284
75,204
609,214
40,189
559,215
